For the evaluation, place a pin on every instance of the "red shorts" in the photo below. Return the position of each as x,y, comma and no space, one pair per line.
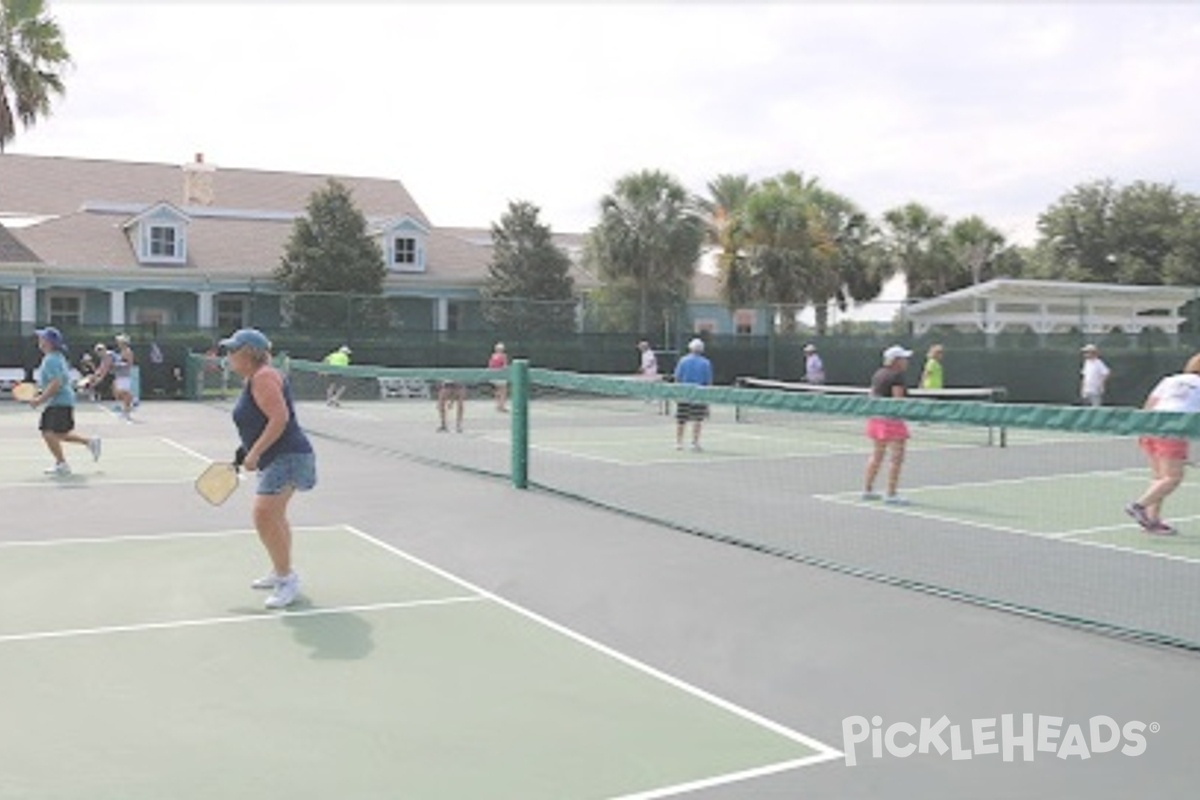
1164,447
886,429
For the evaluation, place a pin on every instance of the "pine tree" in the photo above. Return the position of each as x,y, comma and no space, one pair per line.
332,266
529,288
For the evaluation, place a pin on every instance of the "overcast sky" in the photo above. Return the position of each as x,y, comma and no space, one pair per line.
994,109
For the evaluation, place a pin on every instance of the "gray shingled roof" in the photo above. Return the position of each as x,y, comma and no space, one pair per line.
90,200
12,251
47,185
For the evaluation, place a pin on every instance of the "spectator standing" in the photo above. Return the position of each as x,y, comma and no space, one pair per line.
814,367
1094,376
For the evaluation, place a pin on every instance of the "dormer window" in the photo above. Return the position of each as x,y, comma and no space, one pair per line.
159,235
403,242
162,242
404,251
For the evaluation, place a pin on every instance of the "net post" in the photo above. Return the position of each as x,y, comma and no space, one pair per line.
519,398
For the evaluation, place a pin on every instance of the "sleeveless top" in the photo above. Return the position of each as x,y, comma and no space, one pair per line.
121,367
251,421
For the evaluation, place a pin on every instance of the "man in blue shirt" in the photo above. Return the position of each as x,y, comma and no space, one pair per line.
694,368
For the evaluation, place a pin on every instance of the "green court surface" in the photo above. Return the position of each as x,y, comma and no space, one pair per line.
1083,508
125,459
164,678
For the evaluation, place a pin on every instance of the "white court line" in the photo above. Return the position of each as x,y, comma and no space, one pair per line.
102,630
74,481
849,499
731,777
345,411
141,537
824,751
186,449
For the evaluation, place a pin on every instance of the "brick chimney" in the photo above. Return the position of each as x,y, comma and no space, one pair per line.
198,183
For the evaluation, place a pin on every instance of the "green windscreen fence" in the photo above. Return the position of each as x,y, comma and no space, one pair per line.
1016,506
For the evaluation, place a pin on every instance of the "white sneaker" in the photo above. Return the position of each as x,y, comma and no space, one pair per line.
696,446
285,592
896,500
61,469
94,446
268,581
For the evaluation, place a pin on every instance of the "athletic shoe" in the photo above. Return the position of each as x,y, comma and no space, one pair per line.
268,581
1160,528
1138,512
896,500
285,592
678,445
696,446
94,446
59,470
442,429
872,496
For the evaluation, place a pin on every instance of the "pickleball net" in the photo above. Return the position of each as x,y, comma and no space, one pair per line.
996,434
1036,527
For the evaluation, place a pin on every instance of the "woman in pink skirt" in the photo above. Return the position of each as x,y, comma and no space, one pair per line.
887,433
1167,455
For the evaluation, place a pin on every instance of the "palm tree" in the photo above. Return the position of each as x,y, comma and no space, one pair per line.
793,242
975,247
648,242
918,246
726,195
32,56
847,250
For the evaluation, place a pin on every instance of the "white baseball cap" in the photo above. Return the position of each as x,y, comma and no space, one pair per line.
894,352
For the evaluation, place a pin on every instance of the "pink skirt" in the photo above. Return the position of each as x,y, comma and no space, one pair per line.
1163,447
886,429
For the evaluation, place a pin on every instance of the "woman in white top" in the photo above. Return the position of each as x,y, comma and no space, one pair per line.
1178,393
648,366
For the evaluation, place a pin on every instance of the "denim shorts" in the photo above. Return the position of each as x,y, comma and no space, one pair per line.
288,470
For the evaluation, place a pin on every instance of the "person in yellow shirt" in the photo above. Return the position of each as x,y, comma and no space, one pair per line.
933,376
335,389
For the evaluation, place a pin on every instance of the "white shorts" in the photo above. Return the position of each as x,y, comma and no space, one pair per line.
123,384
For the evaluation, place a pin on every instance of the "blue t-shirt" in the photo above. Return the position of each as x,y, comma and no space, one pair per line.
54,365
694,368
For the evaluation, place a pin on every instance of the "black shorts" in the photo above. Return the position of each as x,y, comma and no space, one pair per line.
57,419
690,412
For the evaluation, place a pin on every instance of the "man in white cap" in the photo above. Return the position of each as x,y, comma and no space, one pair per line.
1094,376
696,369
887,433
814,367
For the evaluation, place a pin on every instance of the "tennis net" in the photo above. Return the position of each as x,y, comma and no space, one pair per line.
1037,527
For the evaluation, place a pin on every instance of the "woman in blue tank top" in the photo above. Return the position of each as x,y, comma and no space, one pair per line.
274,446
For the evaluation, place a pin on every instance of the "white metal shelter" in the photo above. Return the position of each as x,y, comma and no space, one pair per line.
1047,307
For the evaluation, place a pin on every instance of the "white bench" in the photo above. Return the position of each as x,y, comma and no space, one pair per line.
403,388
